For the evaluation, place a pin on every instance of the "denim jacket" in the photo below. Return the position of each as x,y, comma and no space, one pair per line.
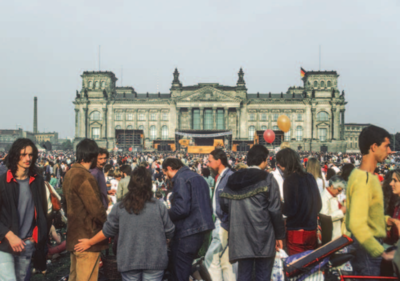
191,210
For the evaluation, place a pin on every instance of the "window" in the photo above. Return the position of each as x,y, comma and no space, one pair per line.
118,116
220,119
299,133
95,133
351,145
322,132
275,128
315,84
103,84
329,84
299,117
118,127
129,116
252,117
263,117
322,84
153,132
196,119
95,116
141,127
263,127
141,116
322,116
96,84
287,136
164,132
208,119
276,115
165,116
90,86
252,130
153,116
130,127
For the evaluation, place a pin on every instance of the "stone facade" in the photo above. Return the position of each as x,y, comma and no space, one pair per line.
316,110
351,134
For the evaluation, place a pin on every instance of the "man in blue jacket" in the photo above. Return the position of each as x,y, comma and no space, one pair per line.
190,212
217,256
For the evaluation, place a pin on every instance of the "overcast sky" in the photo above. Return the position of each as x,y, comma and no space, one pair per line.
46,45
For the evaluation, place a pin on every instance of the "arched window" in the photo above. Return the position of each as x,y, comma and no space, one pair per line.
323,116
130,127
96,84
287,136
153,132
322,84
164,132
141,127
90,86
315,84
118,127
252,130
275,128
103,84
263,127
95,116
329,84
299,133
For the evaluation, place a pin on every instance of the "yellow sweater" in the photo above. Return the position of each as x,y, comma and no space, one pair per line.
365,216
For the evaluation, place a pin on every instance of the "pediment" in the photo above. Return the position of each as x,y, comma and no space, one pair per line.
209,94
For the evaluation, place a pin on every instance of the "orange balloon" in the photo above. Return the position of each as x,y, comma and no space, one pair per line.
284,123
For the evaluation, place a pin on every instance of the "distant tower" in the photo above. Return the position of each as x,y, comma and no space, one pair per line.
35,131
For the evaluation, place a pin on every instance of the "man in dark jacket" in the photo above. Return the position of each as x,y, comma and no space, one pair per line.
190,212
256,228
23,209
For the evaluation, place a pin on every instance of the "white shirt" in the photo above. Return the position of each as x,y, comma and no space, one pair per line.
330,207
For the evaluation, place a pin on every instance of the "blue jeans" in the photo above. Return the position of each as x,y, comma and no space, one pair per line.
363,264
142,275
15,267
263,269
183,251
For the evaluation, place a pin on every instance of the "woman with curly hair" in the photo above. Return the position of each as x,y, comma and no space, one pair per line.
144,228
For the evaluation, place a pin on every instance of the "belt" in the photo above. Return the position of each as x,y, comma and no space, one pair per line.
29,239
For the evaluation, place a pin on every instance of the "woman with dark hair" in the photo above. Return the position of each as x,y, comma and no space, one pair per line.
144,227
302,203
346,171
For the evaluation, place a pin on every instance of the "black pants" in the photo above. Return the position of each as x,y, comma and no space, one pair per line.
263,269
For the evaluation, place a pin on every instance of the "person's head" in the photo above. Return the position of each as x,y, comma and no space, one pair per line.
102,157
346,171
87,151
217,160
258,156
330,173
288,161
139,191
336,185
171,166
158,195
240,166
205,172
117,174
107,168
52,175
395,182
22,156
314,168
375,141
126,170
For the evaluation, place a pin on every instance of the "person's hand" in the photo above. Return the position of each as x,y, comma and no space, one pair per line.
15,242
112,192
343,209
279,245
388,256
83,245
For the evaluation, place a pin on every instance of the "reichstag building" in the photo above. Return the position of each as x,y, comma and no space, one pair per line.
121,118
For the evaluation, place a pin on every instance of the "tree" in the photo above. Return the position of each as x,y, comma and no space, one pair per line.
67,145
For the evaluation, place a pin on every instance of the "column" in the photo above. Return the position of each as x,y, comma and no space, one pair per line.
238,122
314,123
292,127
269,121
201,118
190,112
104,130
159,124
258,120
336,122
135,115
342,125
85,114
82,123
147,129
226,119
178,116
77,123
214,118
307,123
123,112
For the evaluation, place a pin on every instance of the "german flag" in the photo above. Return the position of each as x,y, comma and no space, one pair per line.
302,72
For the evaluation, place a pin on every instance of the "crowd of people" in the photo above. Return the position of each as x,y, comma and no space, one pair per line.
161,211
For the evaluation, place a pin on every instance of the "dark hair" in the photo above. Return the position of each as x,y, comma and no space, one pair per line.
256,155
330,173
219,154
86,151
104,151
126,169
205,172
158,194
15,153
290,160
52,175
370,135
346,171
107,167
139,191
174,163
389,199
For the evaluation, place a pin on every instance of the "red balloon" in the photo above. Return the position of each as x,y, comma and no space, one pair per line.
130,149
269,136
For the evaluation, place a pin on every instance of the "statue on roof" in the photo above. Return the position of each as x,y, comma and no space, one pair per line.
269,95
147,94
281,95
258,95
78,96
240,81
342,95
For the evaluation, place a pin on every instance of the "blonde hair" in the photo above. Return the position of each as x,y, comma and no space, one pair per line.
314,168
240,166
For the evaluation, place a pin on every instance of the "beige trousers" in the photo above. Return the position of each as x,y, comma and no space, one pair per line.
84,266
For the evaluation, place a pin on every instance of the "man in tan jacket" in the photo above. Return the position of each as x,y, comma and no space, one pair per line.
85,212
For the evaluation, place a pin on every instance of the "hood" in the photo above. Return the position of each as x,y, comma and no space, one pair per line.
246,177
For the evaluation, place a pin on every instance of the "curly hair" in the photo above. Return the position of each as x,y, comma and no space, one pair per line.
139,191
14,154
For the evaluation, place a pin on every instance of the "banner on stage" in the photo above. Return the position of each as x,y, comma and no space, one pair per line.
204,135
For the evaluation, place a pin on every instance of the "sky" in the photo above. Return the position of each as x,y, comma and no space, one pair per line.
46,45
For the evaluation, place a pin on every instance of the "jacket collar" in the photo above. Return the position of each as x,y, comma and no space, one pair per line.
10,177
